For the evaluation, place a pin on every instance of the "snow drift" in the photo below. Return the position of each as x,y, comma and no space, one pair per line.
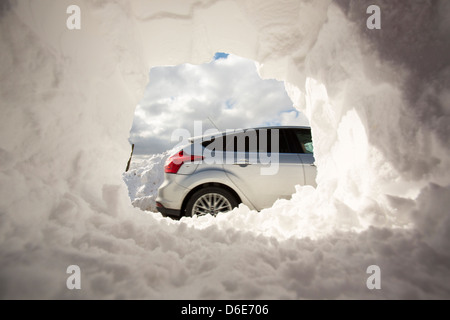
144,178
378,102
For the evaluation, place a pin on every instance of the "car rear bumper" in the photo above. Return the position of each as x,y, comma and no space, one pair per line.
168,212
170,196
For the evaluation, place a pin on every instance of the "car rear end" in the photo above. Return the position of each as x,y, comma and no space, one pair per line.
177,168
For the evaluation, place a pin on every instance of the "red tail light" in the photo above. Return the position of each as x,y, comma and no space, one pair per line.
174,163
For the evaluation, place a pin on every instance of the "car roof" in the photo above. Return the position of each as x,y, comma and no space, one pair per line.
196,138
281,127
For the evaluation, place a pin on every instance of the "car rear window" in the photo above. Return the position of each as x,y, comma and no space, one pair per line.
216,143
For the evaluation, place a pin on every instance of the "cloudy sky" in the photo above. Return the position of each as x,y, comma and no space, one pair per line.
227,90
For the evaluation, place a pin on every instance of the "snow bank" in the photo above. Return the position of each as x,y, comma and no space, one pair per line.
143,180
377,101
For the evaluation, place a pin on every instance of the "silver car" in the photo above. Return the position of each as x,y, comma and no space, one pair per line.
256,166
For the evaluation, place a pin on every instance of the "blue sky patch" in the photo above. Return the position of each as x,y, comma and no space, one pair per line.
289,111
229,104
220,55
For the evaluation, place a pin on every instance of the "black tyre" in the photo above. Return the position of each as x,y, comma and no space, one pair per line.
210,200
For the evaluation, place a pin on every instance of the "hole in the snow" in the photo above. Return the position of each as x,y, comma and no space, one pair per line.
225,94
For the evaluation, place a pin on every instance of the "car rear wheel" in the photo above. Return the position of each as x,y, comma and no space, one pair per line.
210,200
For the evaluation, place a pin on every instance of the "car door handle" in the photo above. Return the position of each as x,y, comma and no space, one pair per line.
242,163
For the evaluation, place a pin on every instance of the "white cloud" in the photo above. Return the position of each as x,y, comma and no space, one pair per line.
229,91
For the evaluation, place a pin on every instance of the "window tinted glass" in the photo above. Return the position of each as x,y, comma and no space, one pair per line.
216,143
264,142
273,140
246,141
284,141
303,140
256,141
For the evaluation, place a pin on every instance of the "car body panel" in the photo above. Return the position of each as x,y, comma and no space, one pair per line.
215,175
171,187
263,190
240,172
309,168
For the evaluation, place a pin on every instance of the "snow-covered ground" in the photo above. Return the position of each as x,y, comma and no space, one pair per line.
379,106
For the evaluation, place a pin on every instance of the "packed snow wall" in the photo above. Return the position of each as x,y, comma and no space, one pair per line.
377,100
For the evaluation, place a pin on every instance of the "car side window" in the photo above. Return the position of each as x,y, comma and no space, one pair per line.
303,140
289,141
284,141
245,141
265,143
